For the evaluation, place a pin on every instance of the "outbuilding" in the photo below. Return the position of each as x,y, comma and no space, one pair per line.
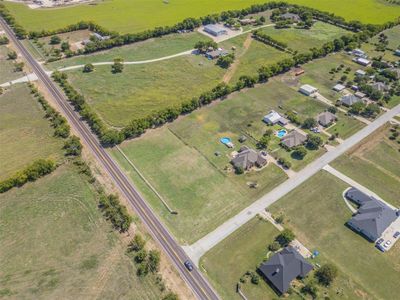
275,118
361,73
397,52
339,87
215,29
308,90
362,61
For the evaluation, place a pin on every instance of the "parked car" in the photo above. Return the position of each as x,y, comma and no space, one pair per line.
396,235
379,241
188,265
387,244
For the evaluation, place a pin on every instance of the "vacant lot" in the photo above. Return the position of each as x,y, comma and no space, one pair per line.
149,49
127,16
56,243
317,214
302,40
7,70
24,132
375,163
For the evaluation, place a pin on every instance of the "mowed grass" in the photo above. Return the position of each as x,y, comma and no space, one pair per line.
374,163
56,244
24,132
7,70
203,195
141,90
345,126
317,214
302,40
149,49
134,16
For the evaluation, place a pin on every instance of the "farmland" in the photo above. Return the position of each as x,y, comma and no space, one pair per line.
320,196
55,242
24,132
134,16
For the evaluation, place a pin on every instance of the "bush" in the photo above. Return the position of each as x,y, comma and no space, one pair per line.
309,123
285,163
311,289
73,146
226,61
326,274
274,246
300,152
55,39
239,170
313,142
285,237
4,40
137,243
171,296
12,55
154,261
115,212
141,256
118,66
88,68
255,279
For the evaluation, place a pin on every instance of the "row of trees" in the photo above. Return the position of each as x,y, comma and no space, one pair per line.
19,31
116,213
147,261
266,39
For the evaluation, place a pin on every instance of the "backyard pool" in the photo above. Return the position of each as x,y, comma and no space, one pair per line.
225,140
281,133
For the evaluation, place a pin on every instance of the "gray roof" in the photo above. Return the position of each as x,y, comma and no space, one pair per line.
214,28
372,217
326,118
380,86
247,158
217,53
283,267
349,99
293,139
291,16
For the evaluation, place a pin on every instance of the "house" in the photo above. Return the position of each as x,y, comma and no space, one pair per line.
380,86
349,100
248,158
361,73
339,87
326,118
308,90
247,21
373,216
291,17
360,95
216,54
397,52
100,37
298,71
215,29
293,139
283,267
275,118
362,61
358,52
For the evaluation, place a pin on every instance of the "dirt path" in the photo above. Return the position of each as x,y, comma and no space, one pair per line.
232,70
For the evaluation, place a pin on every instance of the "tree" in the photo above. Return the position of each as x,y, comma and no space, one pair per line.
263,142
4,40
285,163
313,141
285,237
309,123
118,66
19,66
12,55
299,152
171,296
226,61
311,289
332,109
141,256
137,243
55,39
371,110
326,274
64,46
203,47
239,170
357,108
274,246
73,146
154,261
88,68
255,279
143,269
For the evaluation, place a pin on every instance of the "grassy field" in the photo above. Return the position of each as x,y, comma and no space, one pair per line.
7,72
317,213
149,49
24,132
304,39
345,126
55,244
202,194
133,16
144,89
374,163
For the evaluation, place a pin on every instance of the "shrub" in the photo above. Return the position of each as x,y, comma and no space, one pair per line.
274,246
115,212
137,243
171,296
314,142
285,163
311,289
300,152
141,256
118,66
73,146
309,123
285,237
239,170
326,274
88,68
154,261
4,40
55,39
12,55
226,61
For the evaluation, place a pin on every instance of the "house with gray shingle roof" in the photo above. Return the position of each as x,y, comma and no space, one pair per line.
248,158
291,16
373,216
293,139
380,86
349,100
326,118
283,267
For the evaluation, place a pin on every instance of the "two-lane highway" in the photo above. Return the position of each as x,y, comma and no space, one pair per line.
195,280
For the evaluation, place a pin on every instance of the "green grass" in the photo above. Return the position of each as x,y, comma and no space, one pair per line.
56,243
24,132
304,39
298,164
202,194
149,49
317,214
7,72
141,90
133,16
345,126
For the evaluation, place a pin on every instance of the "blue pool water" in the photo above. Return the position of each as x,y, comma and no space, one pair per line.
281,133
225,140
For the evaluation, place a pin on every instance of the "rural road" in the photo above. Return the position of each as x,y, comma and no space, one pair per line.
195,280
199,248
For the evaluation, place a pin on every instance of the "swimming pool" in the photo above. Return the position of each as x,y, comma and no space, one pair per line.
225,140
281,133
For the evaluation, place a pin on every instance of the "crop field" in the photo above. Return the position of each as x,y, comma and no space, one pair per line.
316,213
55,242
202,194
304,39
149,49
24,132
134,16
7,72
374,163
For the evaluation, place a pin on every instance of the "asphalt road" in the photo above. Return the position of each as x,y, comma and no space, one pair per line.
195,280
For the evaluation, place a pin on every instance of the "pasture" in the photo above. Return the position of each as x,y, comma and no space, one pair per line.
7,70
317,214
135,16
25,134
55,242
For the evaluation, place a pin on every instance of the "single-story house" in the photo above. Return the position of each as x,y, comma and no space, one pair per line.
397,52
349,100
275,118
358,52
247,21
380,86
293,139
308,90
248,158
361,73
326,118
216,54
215,29
283,267
291,16
100,37
362,61
338,87
360,95
373,216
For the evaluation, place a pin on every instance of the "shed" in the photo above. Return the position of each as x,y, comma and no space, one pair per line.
339,87
308,90
362,61
361,73
215,29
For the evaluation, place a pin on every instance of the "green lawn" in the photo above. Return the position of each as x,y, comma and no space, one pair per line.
304,39
141,90
7,72
56,244
201,193
317,214
133,16
345,126
149,49
24,132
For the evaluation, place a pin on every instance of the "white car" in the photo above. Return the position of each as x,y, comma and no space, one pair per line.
387,244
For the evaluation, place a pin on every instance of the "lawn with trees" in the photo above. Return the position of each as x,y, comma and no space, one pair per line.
7,70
